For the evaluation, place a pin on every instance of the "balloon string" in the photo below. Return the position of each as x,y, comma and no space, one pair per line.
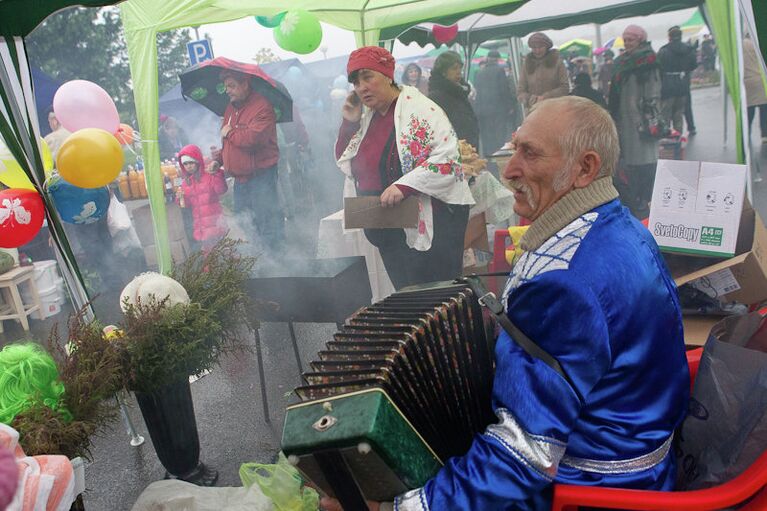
130,148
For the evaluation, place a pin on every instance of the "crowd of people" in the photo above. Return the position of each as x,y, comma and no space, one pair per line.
643,91
647,93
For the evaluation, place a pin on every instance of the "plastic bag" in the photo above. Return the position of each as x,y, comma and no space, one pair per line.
118,218
282,483
726,428
175,495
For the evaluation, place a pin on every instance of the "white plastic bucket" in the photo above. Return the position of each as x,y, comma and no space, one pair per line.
45,274
50,301
46,277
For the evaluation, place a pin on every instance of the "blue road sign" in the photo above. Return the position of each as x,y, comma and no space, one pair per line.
199,51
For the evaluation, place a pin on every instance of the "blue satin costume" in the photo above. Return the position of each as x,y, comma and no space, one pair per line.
596,296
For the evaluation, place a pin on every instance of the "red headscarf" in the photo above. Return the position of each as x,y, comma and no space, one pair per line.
371,57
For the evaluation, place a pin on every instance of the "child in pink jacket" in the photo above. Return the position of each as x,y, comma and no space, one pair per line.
202,188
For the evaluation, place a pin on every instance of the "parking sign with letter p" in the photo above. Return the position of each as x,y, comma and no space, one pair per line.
199,51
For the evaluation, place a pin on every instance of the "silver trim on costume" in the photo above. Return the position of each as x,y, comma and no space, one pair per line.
638,464
540,453
554,254
414,500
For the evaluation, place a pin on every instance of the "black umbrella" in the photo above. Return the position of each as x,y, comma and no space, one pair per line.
202,83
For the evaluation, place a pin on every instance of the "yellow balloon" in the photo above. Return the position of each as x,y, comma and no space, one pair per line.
11,173
45,152
13,176
90,158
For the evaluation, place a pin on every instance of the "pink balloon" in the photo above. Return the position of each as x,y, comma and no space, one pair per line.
82,104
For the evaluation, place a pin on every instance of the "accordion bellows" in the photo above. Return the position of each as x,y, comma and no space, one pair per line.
404,385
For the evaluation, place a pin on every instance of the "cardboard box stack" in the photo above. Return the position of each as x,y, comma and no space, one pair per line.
710,235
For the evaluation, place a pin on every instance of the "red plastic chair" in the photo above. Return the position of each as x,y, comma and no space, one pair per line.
752,483
501,241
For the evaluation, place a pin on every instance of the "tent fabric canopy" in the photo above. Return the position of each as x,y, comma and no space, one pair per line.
695,21
20,17
478,28
20,131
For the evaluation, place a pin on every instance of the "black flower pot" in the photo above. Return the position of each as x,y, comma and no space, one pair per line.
169,417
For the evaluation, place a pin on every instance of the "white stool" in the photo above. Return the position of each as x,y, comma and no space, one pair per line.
13,307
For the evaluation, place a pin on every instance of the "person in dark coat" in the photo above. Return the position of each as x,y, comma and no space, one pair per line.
583,89
449,90
493,104
172,137
708,53
677,61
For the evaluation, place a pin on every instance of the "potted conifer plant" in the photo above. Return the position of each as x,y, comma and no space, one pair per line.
168,338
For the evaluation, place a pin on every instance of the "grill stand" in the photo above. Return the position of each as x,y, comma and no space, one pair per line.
262,374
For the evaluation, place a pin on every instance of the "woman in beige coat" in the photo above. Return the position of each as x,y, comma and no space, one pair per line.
755,93
543,74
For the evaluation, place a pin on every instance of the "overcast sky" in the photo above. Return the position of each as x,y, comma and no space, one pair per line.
241,39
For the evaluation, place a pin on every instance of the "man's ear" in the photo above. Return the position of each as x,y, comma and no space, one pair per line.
588,167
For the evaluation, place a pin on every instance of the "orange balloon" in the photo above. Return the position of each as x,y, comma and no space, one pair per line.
124,134
90,158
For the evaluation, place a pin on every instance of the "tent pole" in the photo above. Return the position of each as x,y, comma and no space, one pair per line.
723,88
598,34
743,106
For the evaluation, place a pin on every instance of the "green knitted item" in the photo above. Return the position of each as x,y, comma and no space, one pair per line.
28,377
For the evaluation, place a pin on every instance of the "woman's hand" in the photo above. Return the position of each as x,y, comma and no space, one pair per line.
352,109
213,167
391,196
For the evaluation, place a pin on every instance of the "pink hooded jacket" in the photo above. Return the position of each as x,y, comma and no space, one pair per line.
201,194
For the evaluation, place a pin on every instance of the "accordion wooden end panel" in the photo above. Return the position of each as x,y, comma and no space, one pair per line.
373,436
402,386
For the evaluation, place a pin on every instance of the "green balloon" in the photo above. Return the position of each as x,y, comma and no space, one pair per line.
270,21
299,32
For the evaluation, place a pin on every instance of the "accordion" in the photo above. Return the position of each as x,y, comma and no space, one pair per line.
404,385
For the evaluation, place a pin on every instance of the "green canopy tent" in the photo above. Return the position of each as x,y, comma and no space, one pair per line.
18,116
478,28
581,47
143,19
695,22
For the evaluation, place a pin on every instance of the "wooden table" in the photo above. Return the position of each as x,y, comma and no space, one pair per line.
13,307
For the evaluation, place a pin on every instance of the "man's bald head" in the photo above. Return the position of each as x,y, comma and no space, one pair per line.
587,127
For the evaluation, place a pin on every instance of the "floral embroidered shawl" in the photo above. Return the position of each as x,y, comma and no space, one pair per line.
428,151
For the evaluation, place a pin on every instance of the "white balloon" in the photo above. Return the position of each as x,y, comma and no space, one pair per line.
153,285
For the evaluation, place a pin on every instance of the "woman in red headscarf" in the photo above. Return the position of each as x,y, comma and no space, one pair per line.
395,142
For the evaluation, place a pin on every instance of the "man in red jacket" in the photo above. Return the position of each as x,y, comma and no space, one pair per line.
250,154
